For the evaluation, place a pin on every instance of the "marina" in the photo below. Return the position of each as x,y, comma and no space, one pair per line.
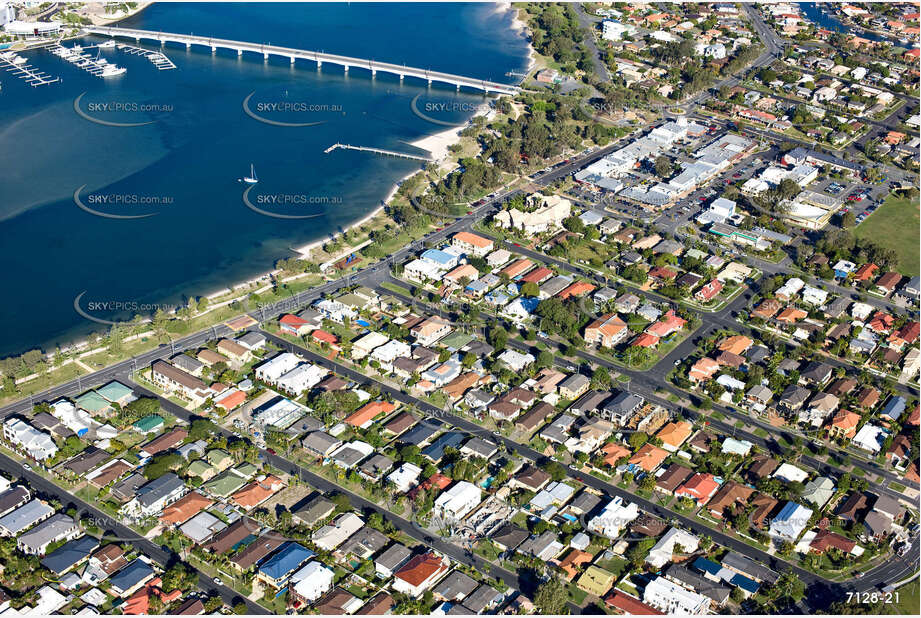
20,67
100,67
158,59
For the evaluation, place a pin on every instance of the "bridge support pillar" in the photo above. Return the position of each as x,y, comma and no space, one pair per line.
188,46
373,72
292,59
402,76
265,56
213,49
430,82
320,65
239,52
345,69
457,86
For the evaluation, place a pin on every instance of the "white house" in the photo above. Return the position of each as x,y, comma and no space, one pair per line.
405,476
790,522
516,361
36,443
716,51
670,598
311,582
614,30
814,296
790,289
302,378
459,500
662,552
614,518
277,366
391,351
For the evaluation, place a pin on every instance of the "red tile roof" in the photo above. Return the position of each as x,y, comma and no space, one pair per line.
420,568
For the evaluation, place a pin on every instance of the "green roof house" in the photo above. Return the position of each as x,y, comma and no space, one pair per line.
225,483
201,469
94,403
116,392
246,469
149,424
219,458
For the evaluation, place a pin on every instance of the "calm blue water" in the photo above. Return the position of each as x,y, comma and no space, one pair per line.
184,166
829,21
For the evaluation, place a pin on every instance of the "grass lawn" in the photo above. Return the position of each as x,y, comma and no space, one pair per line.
909,599
895,225
896,486
577,595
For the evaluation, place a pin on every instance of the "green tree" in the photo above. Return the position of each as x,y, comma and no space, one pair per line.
551,597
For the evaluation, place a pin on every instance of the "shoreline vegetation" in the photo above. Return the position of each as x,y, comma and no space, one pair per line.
497,148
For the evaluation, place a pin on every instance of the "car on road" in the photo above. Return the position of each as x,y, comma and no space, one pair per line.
26,467
218,581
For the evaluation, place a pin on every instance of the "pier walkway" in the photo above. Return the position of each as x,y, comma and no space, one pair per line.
319,58
27,72
391,153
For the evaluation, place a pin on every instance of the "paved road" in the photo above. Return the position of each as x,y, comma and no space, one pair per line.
411,529
820,591
652,382
117,530
587,22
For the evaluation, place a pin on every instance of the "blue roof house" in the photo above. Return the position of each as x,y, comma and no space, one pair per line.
277,570
894,408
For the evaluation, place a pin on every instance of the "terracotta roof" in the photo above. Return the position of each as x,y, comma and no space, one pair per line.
537,275
576,289
645,340
368,411
630,605
473,239
185,508
613,452
420,568
649,457
825,540
675,433
323,336
703,369
573,560
257,492
701,487
791,315
736,344
767,309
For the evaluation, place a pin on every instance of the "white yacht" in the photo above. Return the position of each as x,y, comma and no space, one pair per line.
251,179
111,70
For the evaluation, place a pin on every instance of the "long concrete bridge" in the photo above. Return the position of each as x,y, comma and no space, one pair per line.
319,58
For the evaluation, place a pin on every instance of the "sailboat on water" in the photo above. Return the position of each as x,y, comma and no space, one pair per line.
251,179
